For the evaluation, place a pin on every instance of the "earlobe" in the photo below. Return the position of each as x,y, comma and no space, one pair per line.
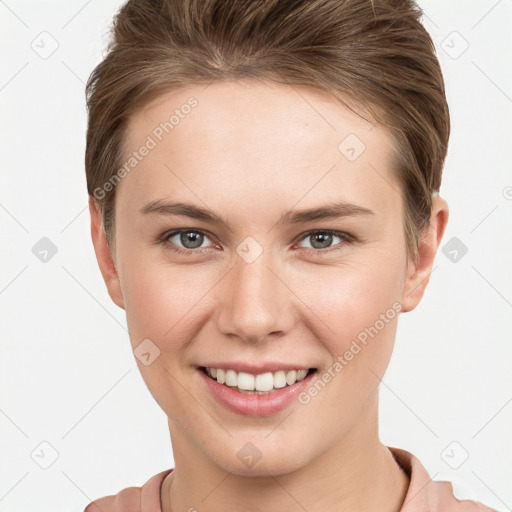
103,254
418,275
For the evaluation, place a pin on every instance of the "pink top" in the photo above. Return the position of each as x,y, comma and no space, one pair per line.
423,494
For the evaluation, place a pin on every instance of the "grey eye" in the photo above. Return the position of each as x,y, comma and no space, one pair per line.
188,239
321,239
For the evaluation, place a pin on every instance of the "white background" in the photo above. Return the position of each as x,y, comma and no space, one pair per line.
68,376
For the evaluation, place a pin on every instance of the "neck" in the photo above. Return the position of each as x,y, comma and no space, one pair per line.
357,474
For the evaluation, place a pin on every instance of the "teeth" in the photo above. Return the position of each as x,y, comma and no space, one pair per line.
291,377
231,378
245,381
280,379
264,382
301,374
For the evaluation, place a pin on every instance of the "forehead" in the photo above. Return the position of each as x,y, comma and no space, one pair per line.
269,114
230,140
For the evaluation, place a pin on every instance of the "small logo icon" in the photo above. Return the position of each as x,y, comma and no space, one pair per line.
351,147
455,455
454,249
44,455
249,454
45,45
44,250
454,45
146,352
249,250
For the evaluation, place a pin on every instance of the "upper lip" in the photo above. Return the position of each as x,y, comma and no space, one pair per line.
256,368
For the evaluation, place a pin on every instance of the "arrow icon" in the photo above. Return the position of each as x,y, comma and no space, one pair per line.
351,147
146,352
44,250
454,249
455,455
44,455
454,44
249,253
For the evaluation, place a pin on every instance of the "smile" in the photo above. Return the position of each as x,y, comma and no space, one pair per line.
262,383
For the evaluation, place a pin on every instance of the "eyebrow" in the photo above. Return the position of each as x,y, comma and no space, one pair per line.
332,210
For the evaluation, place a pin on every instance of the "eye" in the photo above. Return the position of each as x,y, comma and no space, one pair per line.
190,240
321,240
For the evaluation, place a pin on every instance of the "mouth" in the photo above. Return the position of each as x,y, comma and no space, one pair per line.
257,384
268,393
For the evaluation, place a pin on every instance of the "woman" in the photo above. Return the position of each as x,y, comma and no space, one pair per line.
264,195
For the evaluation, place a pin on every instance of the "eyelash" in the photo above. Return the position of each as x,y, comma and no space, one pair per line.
345,237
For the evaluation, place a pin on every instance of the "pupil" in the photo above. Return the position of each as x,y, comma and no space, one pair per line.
324,238
192,238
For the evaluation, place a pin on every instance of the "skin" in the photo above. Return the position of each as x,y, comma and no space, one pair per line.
249,152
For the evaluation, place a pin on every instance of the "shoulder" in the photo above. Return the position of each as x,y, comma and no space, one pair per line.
443,498
132,499
424,494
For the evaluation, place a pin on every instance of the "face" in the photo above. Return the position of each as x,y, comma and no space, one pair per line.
265,285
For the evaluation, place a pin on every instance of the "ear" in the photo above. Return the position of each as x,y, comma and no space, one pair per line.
418,275
103,255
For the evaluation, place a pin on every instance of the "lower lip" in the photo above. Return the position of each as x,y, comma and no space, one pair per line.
255,405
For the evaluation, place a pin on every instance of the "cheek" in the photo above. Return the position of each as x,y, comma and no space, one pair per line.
163,302
354,297
359,310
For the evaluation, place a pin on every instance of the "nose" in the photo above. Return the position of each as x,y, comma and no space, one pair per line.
255,301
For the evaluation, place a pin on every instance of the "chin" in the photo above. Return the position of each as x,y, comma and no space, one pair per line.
260,456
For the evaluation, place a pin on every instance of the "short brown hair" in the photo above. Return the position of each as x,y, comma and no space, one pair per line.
373,55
